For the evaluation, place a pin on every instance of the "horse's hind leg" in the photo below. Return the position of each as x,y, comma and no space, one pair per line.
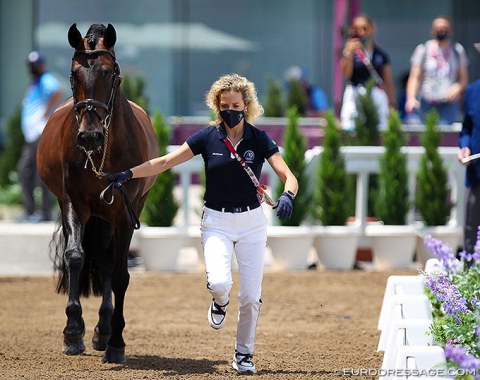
98,242
74,259
115,352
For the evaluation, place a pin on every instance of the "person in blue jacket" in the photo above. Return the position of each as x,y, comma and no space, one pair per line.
469,144
232,219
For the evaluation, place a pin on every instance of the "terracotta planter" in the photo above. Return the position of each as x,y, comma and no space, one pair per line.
290,246
160,247
336,246
449,235
393,247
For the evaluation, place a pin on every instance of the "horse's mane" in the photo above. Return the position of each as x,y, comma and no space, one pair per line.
94,33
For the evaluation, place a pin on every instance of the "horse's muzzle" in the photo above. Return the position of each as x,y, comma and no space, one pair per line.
90,140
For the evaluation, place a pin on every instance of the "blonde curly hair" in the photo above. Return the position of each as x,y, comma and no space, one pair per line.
234,82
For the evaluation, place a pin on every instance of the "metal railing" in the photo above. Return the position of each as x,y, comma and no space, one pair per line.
360,160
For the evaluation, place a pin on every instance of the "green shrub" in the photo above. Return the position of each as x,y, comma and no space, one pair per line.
432,197
330,196
367,134
274,105
161,207
133,87
13,148
294,145
392,203
297,97
366,122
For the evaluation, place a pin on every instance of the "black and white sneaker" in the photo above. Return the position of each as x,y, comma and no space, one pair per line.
216,315
243,363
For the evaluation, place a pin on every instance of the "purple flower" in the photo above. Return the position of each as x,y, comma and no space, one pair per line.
478,332
461,356
443,253
448,294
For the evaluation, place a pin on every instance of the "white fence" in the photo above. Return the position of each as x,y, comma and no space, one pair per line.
360,160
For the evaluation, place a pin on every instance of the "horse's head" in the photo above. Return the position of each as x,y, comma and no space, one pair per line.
94,78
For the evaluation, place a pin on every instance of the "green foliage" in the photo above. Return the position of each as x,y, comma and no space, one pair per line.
462,331
432,197
297,97
13,149
294,155
274,105
132,87
367,134
392,203
366,122
161,207
330,196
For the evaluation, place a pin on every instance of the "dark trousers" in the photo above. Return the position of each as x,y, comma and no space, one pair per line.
472,218
29,180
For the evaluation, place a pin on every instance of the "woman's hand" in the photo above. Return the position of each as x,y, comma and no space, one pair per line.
285,206
119,178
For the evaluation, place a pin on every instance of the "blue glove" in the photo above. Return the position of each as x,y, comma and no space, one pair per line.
285,206
119,178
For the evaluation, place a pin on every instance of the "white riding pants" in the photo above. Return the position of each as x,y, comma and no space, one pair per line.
349,111
245,234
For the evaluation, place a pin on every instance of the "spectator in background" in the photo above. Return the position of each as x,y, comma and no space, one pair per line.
316,99
469,144
41,98
438,74
361,60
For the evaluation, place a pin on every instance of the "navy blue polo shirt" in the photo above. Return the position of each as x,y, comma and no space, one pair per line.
470,134
227,183
361,74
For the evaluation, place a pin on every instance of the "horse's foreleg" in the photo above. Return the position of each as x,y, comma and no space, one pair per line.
115,352
74,258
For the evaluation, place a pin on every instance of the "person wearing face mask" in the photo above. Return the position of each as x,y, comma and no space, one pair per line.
232,220
41,98
438,74
362,59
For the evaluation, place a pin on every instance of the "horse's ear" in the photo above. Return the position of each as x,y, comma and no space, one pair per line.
75,37
109,37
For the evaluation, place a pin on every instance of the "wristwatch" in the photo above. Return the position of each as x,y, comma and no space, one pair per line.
291,194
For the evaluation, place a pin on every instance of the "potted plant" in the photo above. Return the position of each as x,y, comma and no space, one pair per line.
290,243
393,242
159,242
432,199
274,105
335,242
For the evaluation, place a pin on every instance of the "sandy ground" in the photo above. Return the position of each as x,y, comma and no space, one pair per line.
313,325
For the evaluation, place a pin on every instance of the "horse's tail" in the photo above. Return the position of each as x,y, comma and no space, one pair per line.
96,244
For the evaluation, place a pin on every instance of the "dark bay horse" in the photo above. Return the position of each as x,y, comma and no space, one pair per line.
96,130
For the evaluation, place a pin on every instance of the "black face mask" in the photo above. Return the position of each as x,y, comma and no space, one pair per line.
34,71
232,117
441,35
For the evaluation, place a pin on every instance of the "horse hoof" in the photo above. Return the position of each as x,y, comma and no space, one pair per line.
73,348
99,342
114,355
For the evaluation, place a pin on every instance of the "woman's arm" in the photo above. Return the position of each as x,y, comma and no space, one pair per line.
413,84
283,172
160,164
389,85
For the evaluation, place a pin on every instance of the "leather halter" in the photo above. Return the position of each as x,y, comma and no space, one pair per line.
92,104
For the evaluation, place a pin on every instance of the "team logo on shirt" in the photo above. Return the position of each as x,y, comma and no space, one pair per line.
249,156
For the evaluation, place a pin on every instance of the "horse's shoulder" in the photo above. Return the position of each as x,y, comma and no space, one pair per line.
136,108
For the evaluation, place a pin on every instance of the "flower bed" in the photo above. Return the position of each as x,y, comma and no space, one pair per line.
454,293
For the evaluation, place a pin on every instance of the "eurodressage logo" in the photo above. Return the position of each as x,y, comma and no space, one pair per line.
249,156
